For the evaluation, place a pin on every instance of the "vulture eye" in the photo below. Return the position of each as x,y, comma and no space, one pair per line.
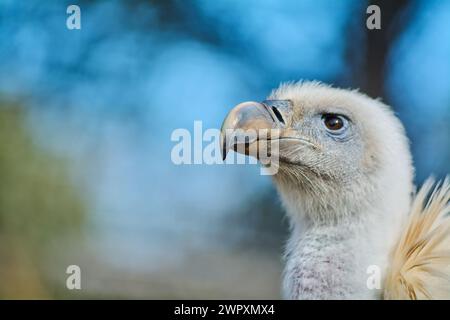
333,122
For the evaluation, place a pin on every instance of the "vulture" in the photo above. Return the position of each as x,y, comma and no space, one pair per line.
359,229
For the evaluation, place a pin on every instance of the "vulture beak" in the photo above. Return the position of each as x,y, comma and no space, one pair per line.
249,124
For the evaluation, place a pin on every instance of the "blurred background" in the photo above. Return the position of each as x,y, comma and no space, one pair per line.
86,117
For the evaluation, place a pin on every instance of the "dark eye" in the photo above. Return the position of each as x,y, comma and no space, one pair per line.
333,122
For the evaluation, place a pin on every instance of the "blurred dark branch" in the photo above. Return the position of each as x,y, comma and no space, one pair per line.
380,41
370,73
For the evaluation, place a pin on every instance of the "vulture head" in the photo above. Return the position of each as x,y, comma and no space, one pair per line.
336,149
344,174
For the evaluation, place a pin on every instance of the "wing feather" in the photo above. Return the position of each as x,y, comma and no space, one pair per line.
420,262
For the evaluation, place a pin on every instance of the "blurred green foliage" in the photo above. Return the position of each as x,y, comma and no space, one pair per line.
37,205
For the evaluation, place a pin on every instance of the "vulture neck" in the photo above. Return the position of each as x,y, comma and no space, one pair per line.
336,239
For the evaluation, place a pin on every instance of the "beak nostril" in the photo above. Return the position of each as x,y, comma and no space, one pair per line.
278,114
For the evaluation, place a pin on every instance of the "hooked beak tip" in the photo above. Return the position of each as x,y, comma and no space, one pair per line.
244,116
224,153
223,145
